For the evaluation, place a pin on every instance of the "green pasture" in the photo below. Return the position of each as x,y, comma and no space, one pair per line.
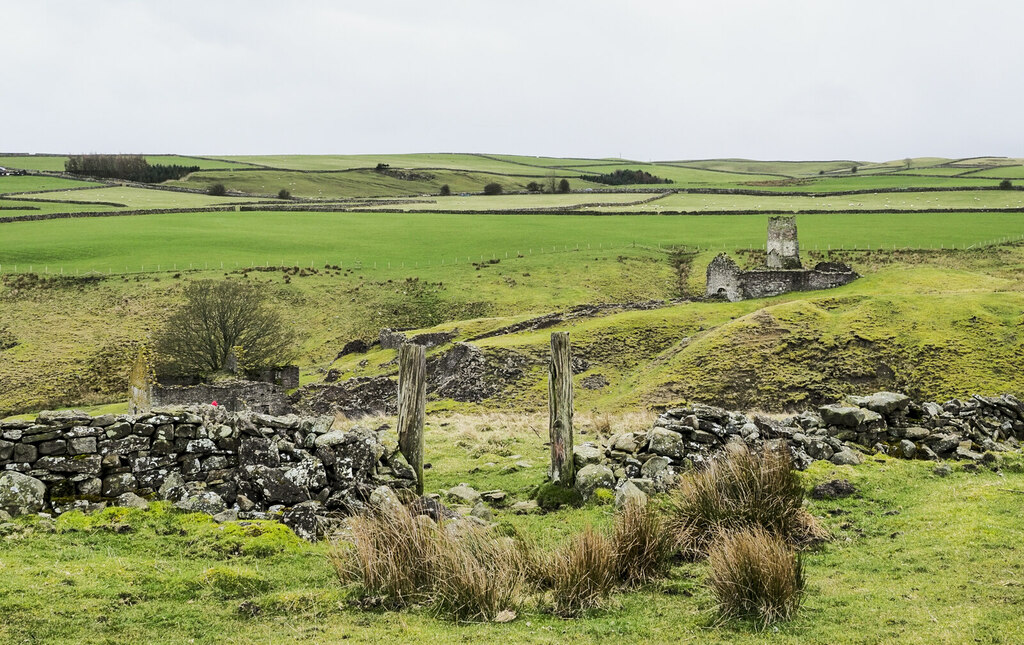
24,183
450,161
29,207
753,167
682,177
362,183
1001,172
34,162
870,201
457,203
301,238
138,198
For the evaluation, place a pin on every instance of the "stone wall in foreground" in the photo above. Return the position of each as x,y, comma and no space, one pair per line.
202,459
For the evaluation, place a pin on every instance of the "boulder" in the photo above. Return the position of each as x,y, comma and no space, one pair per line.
131,500
847,457
847,417
587,453
835,489
590,478
907,449
629,493
267,486
882,402
21,494
385,500
481,511
666,443
303,521
463,494
202,502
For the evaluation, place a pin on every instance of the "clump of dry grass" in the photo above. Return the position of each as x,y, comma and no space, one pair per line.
477,576
391,554
582,573
465,572
642,543
741,488
755,574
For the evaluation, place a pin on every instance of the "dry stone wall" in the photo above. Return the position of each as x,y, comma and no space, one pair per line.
202,459
975,430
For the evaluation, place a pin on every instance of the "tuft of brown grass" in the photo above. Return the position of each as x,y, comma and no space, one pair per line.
741,488
391,554
582,573
755,574
477,576
464,572
642,544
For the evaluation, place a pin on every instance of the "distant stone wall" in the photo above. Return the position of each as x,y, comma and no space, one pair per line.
234,396
203,460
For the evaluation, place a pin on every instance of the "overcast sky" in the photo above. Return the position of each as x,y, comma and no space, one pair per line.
823,79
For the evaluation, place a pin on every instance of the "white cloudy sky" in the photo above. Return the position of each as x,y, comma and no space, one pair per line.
819,79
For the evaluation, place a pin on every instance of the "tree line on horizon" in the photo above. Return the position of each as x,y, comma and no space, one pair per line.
127,167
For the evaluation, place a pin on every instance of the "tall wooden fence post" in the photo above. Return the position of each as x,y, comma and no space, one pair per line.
563,470
412,403
140,382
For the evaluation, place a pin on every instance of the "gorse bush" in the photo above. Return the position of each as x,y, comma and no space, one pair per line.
755,574
740,489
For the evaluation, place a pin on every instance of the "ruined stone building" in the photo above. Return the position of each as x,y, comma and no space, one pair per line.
784,272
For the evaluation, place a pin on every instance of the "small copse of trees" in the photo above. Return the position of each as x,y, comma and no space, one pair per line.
621,178
127,167
284,193
493,188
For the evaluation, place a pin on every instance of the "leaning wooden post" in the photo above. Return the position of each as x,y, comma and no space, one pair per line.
563,470
412,403
140,381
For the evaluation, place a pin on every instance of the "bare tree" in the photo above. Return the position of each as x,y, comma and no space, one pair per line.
218,317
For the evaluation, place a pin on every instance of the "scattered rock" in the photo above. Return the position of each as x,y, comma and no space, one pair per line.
847,457
590,478
131,500
463,494
629,493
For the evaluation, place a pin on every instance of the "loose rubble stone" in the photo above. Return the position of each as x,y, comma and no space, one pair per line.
21,494
629,493
590,478
463,494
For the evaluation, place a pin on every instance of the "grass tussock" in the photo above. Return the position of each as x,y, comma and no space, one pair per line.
464,573
754,573
642,543
582,573
390,554
741,488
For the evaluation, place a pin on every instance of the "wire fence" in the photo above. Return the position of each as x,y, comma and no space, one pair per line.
460,260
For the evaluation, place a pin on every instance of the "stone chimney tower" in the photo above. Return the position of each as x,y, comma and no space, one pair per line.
783,246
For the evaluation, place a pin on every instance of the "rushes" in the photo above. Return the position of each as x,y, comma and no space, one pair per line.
755,574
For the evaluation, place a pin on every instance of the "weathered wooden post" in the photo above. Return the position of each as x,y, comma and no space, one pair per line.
412,403
563,470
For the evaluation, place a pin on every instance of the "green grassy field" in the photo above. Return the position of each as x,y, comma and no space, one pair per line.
411,240
55,163
23,183
139,198
693,202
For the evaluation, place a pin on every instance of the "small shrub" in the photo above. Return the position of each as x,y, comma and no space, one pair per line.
581,574
445,190
284,193
1006,184
217,190
493,188
755,574
739,489
551,497
534,187
642,544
